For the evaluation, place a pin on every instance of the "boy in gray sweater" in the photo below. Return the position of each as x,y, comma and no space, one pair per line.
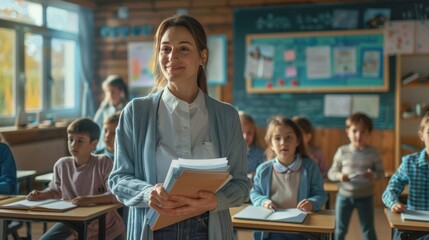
356,165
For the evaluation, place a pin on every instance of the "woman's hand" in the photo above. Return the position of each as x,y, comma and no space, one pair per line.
206,201
398,207
160,201
305,205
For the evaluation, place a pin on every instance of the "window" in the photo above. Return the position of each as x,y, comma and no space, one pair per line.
7,73
38,60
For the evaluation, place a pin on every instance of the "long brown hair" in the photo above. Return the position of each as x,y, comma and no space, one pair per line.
198,34
283,121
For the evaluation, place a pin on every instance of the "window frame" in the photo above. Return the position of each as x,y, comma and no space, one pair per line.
47,34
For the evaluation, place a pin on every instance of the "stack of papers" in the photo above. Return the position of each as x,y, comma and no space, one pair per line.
49,205
290,215
415,215
186,177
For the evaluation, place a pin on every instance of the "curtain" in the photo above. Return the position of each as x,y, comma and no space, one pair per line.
86,40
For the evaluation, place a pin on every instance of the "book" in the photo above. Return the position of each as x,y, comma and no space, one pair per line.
410,77
48,205
415,215
186,177
289,215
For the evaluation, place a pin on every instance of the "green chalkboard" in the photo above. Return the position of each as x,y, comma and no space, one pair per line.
323,61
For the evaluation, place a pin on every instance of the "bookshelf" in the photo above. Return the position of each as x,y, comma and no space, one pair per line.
407,98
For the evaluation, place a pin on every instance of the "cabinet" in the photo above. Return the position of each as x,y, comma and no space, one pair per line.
407,97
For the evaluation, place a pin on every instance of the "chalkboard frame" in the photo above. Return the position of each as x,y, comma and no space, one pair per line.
382,87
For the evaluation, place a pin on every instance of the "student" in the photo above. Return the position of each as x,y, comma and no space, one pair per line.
82,178
290,179
356,165
413,171
178,120
255,154
109,133
7,169
115,98
315,153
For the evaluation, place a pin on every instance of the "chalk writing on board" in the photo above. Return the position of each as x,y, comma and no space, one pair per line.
273,22
316,21
418,12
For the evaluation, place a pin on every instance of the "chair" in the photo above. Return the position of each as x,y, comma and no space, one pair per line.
12,229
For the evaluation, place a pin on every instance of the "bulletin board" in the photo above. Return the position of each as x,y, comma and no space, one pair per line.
322,61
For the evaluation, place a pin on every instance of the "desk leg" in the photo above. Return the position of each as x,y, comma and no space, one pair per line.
28,230
82,230
102,227
5,228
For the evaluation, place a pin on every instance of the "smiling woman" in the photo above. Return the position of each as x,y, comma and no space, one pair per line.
173,122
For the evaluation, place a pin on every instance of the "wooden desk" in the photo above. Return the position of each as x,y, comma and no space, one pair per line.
44,178
26,175
330,188
395,222
82,215
320,225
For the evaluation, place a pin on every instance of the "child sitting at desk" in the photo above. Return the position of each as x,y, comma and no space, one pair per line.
290,179
413,171
7,169
356,165
109,134
255,154
82,178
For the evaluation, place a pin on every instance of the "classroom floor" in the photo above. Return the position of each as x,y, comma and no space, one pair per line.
382,228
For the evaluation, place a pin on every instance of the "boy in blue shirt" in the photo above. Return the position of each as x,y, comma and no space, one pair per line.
413,171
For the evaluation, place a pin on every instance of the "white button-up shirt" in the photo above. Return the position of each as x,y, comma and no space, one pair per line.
184,131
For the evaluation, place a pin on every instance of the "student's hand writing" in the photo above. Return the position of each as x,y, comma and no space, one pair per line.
398,207
206,201
344,177
305,205
269,204
83,201
37,195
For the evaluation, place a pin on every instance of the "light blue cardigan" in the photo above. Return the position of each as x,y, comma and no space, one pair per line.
310,185
134,170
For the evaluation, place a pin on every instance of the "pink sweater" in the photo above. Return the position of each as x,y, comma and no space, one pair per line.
70,181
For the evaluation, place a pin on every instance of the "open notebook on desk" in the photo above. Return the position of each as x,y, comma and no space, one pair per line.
187,177
290,215
415,215
48,205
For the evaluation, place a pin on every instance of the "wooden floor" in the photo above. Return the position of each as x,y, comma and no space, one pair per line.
381,225
382,228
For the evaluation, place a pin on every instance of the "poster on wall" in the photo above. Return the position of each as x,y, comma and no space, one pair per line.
399,37
422,36
259,61
140,62
345,61
318,62
217,64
